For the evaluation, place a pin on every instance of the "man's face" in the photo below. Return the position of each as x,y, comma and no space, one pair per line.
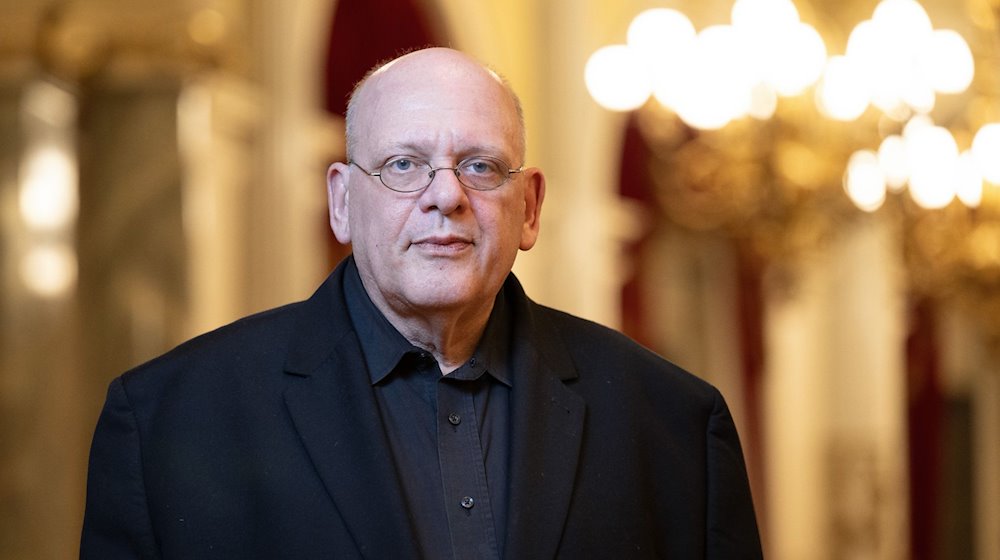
445,247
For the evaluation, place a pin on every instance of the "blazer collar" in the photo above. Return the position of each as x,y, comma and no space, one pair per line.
334,411
547,421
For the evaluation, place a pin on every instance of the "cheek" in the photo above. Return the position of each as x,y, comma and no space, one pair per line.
379,221
503,221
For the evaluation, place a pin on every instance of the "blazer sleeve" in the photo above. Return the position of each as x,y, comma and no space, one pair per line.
732,527
116,522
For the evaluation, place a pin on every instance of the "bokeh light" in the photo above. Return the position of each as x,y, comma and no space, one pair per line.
763,17
842,94
716,87
799,62
892,160
968,181
895,62
659,35
48,197
986,152
932,158
49,270
617,79
864,182
946,62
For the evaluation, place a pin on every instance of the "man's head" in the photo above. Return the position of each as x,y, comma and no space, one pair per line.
445,247
350,120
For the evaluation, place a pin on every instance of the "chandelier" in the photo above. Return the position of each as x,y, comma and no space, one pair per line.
895,67
755,128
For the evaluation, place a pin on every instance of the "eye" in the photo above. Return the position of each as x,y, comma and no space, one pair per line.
399,165
482,166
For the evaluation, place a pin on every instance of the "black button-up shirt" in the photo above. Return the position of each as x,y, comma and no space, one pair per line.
449,435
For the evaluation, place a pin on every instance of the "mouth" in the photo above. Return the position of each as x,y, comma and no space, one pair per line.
442,245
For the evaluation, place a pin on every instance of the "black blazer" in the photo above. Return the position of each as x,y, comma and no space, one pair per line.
262,439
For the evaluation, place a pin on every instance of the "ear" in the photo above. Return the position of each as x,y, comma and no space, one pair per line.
534,194
337,198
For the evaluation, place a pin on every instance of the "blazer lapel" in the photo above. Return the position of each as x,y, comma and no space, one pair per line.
547,424
333,409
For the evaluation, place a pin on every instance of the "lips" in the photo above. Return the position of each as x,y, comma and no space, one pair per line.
442,244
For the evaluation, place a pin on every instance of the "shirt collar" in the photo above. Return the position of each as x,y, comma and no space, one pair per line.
383,346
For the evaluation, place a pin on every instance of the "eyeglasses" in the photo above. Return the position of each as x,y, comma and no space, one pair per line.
406,174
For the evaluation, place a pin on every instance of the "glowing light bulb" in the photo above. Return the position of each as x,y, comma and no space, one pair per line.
904,22
763,16
660,33
48,197
717,86
892,160
616,78
864,182
799,62
946,62
986,152
842,93
968,181
932,157
49,270
663,38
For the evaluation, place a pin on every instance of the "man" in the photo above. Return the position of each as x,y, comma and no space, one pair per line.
419,405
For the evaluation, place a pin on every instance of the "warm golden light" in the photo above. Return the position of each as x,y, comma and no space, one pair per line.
904,62
660,34
932,158
763,102
716,88
896,62
842,94
50,270
946,62
864,182
968,181
781,51
763,17
207,27
892,160
986,152
800,62
48,195
902,21
617,79
663,38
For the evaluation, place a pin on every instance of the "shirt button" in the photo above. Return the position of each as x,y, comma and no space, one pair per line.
455,419
472,362
468,502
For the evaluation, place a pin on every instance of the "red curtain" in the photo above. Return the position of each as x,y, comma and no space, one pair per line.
926,415
366,32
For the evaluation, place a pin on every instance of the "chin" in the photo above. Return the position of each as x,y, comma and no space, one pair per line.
449,291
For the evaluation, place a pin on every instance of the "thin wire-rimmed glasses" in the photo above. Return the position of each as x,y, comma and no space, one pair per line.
408,174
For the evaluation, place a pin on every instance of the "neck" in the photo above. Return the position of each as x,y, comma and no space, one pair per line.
450,335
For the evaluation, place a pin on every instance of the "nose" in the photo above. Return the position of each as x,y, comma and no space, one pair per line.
445,193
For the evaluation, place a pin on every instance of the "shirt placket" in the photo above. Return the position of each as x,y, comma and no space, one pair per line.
463,472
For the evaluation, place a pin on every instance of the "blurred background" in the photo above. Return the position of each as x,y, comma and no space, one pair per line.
799,202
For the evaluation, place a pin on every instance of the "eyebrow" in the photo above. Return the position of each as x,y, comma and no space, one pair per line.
416,149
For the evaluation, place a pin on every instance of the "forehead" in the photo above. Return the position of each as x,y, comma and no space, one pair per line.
437,107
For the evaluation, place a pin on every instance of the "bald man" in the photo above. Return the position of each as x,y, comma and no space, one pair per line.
419,404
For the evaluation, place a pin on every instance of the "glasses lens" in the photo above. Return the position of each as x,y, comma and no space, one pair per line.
483,173
405,174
